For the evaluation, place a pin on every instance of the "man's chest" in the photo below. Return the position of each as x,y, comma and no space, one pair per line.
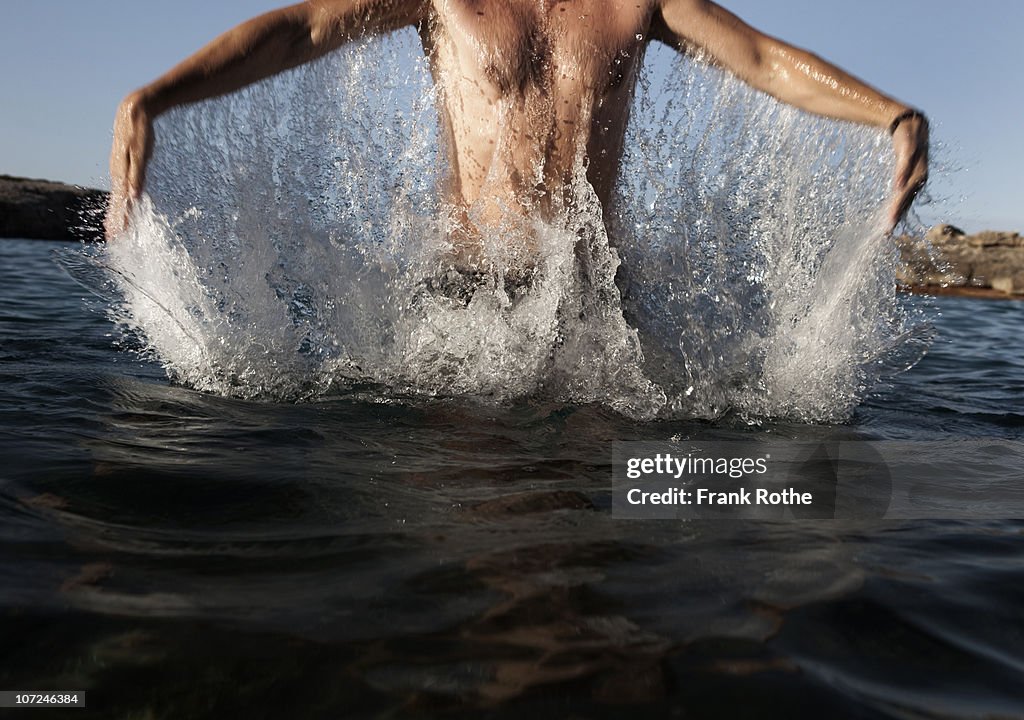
516,43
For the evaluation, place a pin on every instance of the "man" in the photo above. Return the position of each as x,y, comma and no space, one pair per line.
529,90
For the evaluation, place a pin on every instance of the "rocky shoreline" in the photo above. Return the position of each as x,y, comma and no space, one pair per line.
946,261
45,210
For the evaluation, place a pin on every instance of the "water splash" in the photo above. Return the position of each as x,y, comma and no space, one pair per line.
753,235
289,247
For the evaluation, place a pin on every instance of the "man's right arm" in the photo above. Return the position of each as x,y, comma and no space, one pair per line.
257,49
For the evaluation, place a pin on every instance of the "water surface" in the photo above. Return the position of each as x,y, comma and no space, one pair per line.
180,554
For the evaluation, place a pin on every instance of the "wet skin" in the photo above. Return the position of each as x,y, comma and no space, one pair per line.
529,90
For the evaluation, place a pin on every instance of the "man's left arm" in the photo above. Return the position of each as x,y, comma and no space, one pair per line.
801,79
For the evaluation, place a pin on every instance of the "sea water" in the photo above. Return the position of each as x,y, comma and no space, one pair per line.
287,243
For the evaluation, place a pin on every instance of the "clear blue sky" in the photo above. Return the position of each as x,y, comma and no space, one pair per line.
65,65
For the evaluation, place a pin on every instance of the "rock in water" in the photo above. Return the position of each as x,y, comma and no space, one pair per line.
950,261
45,210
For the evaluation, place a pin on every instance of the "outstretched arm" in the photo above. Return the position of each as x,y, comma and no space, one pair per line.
803,80
264,46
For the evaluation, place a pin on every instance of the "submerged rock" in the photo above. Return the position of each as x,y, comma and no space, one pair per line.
948,261
45,210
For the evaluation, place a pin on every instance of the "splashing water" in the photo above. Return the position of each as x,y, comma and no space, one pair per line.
289,246
759,272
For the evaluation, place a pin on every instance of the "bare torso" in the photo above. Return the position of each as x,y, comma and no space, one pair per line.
530,91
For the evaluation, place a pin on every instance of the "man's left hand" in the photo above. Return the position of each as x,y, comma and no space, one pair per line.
910,141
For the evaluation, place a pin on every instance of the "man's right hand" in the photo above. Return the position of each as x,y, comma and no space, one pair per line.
133,145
